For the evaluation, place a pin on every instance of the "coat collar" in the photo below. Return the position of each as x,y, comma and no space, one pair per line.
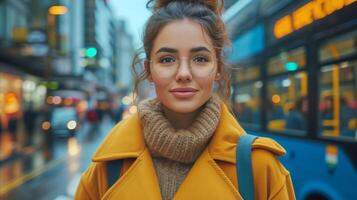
126,140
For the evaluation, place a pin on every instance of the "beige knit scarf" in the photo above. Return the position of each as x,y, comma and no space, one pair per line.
183,145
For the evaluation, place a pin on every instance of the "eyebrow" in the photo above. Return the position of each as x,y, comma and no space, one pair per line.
172,50
166,49
197,49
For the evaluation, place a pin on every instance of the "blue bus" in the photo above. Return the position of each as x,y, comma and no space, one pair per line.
294,79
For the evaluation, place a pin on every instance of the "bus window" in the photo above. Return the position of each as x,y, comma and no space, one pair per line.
338,100
244,74
287,103
339,47
247,91
287,61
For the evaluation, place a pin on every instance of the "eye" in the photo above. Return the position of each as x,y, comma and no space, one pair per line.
167,60
200,59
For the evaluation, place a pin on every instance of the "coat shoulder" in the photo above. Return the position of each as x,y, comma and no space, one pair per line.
269,171
268,144
271,178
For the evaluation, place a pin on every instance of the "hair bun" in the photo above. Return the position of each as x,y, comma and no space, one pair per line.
215,5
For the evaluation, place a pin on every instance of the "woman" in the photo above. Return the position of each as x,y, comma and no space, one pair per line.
181,145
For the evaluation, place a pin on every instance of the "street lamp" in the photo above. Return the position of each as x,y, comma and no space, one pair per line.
57,10
53,11
51,17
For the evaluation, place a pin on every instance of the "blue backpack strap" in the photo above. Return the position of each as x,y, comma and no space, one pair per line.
113,171
244,166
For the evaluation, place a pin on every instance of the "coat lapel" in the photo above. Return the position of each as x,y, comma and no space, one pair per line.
139,182
206,181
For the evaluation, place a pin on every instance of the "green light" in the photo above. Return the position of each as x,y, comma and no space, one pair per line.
291,66
91,52
53,85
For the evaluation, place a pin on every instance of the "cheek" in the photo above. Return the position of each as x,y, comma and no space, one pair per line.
207,83
161,86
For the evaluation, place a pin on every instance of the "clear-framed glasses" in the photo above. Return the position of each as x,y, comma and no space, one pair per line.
167,66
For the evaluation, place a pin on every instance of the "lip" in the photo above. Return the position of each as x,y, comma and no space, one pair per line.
183,92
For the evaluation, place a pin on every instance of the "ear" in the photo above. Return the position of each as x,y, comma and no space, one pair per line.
147,68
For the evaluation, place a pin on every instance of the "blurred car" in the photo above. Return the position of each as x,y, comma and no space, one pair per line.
62,122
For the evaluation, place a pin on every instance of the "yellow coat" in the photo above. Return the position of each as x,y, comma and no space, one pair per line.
213,175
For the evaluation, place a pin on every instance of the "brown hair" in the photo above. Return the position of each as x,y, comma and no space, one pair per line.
207,13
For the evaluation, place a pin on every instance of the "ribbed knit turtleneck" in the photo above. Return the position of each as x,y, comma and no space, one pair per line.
174,151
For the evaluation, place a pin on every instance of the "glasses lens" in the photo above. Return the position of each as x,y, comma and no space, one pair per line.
200,67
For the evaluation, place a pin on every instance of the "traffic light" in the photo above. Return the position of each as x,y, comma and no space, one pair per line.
91,52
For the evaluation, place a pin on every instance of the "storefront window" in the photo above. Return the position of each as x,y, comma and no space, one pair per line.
339,47
10,112
287,104
33,94
287,61
338,100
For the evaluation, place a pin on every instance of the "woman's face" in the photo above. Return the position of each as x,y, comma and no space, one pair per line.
183,66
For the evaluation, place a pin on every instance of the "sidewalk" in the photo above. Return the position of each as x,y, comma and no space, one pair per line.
33,160
21,167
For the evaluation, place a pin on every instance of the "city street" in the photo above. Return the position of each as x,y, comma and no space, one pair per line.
32,177
282,70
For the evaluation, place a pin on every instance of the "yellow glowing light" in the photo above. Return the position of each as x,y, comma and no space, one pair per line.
46,125
275,99
12,104
133,109
49,99
303,16
68,102
307,14
58,10
331,149
82,106
283,27
73,147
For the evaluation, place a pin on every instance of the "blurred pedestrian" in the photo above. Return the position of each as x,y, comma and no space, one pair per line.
92,118
100,114
12,127
297,117
181,145
30,117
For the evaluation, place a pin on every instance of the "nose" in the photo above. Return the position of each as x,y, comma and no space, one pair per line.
183,72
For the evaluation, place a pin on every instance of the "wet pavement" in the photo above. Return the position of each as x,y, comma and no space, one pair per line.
48,176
